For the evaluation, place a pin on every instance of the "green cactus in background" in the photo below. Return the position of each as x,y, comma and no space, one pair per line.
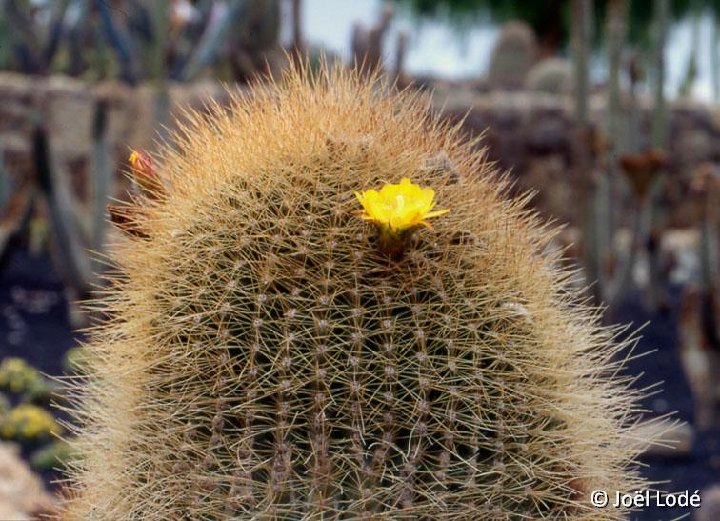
264,357
57,454
5,405
20,378
75,361
28,422
553,76
17,376
513,56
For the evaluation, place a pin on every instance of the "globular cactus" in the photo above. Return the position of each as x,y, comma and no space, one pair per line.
74,361
262,358
5,405
17,376
28,423
55,455
553,76
513,56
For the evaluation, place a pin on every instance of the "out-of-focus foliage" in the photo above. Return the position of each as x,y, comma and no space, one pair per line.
75,361
17,376
135,40
57,454
4,405
551,18
28,422
20,378
40,392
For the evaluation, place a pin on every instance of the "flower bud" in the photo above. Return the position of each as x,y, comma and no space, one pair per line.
144,174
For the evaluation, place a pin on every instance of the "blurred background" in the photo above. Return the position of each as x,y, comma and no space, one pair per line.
606,109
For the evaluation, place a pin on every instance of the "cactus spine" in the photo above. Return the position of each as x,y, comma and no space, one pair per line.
262,359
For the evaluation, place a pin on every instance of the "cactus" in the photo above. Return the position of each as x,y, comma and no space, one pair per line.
641,171
219,24
592,184
75,361
28,423
616,126
76,227
17,376
5,52
259,26
15,214
5,405
513,56
42,392
20,378
262,358
706,186
298,40
57,454
55,33
255,40
553,76
71,255
659,124
401,47
119,41
659,135
715,60
366,43
709,272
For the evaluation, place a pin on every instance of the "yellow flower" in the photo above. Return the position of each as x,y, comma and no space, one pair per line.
399,207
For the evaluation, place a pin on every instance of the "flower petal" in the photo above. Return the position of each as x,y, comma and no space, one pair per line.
399,206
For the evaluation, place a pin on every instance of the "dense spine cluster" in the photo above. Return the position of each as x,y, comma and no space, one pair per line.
261,358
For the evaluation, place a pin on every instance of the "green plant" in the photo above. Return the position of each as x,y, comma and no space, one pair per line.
616,127
75,361
553,76
20,378
28,422
367,42
17,376
76,227
265,355
41,391
59,453
513,56
135,40
15,206
5,405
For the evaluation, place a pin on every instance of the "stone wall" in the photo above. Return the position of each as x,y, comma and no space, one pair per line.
530,134
526,133
66,107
